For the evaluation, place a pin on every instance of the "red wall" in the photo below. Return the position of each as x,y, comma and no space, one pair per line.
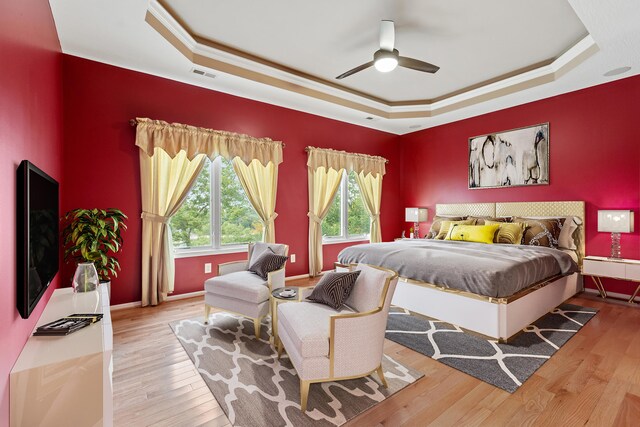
594,156
101,160
30,128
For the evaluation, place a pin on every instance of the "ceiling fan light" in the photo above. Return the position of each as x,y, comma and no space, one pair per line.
384,65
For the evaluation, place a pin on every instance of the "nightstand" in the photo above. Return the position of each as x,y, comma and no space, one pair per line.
624,269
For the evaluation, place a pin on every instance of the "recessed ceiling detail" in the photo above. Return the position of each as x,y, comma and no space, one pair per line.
184,28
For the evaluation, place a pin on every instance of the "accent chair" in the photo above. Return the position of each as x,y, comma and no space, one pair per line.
325,344
237,290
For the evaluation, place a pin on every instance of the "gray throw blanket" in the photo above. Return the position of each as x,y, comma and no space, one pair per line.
496,270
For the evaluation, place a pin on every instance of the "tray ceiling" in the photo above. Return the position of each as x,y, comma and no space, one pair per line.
493,54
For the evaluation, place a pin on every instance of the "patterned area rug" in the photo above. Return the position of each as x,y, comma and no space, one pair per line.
254,388
506,366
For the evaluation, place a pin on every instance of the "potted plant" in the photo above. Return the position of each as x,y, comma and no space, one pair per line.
94,235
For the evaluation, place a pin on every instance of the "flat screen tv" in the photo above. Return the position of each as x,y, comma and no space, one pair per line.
37,235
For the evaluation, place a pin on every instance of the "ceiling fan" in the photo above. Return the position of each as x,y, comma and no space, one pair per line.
387,58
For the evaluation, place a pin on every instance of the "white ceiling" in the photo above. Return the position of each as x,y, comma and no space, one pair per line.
471,41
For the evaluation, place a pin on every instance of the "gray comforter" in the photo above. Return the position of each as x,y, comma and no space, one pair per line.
489,270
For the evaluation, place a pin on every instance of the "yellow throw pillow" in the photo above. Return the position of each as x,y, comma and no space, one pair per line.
473,233
445,225
509,233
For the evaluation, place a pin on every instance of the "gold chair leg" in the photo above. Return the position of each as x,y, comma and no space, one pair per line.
382,378
633,297
207,312
304,393
280,347
256,326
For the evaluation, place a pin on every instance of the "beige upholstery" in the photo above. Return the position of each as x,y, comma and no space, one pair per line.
240,291
242,285
326,344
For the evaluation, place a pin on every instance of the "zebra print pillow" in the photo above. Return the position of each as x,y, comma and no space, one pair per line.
334,288
267,262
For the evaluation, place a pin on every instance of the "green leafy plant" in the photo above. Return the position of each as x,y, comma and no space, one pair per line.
94,235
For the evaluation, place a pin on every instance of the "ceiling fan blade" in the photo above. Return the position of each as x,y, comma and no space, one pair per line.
355,70
387,35
415,64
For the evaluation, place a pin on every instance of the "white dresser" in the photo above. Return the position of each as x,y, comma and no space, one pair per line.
66,381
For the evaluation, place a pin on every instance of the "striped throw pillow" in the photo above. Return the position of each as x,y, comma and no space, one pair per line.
509,233
267,262
334,288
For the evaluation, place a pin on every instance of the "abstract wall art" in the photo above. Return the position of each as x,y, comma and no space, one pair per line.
511,158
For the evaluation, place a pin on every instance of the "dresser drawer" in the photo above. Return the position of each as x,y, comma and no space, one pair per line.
633,272
604,269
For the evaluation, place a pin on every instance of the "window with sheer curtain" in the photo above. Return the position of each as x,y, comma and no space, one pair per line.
216,215
347,218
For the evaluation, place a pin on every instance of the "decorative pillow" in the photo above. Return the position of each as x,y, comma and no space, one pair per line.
267,262
445,225
566,240
509,233
541,232
482,220
435,225
260,247
334,288
473,233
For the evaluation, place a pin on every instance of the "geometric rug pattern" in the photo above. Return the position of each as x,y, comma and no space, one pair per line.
504,365
254,388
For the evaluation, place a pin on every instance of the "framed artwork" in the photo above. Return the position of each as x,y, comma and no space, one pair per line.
510,158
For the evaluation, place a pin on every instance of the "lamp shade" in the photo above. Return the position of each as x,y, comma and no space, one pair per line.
415,214
620,221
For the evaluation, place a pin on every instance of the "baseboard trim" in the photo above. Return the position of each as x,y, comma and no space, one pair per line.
185,296
126,305
616,295
188,295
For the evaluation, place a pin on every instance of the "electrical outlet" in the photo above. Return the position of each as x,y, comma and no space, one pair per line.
293,258
207,267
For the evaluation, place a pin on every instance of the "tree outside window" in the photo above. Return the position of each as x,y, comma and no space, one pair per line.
347,218
216,214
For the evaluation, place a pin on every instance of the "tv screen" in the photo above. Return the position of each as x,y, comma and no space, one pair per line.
37,235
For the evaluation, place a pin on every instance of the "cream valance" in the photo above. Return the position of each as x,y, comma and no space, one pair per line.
334,159
176,137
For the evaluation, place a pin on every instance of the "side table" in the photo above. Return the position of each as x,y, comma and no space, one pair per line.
623,269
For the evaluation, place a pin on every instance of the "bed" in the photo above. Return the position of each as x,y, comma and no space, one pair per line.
501,288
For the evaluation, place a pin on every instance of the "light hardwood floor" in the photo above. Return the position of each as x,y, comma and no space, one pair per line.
594,379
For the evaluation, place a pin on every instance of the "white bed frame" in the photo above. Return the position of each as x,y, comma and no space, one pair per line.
498,318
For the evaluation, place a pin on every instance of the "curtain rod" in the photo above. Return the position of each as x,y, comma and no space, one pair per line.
307,149
134,122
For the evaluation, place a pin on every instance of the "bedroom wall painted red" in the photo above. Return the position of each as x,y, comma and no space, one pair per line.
102,162
594,156
30,128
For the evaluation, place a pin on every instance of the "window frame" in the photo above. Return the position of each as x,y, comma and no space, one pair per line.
215,202
344,236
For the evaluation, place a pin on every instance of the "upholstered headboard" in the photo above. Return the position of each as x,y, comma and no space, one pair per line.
523,209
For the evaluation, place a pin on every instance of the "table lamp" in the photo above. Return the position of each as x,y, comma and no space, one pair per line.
415,215
615,222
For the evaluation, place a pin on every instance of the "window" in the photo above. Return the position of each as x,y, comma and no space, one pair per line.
347,218
216,215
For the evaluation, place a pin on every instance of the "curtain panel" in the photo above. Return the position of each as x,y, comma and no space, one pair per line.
325,169
171,158
165,183
260,183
